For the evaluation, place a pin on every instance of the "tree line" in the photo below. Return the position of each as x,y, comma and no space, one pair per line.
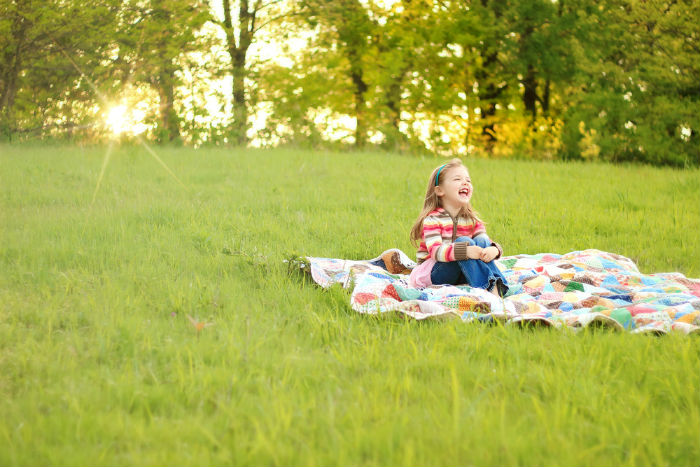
615,80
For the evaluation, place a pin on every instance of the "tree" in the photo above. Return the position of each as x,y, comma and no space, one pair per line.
345,25
404,46
48,52
639,96
241,25
152,39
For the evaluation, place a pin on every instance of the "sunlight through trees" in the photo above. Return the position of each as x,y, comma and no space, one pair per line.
613,80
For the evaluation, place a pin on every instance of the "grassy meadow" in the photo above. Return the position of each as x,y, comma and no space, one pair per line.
100,365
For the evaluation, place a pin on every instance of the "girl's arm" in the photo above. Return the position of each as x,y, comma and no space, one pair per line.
485,237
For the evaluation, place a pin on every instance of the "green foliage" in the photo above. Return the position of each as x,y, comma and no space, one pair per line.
100,364
640,89
44,49
302,104
614,80
151,42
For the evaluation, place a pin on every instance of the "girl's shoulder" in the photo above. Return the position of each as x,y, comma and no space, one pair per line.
436,219
467,221
474,223
437,212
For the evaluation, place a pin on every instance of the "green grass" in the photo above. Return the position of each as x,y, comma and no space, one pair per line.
99,364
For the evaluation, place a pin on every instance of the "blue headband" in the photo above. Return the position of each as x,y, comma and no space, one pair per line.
437,175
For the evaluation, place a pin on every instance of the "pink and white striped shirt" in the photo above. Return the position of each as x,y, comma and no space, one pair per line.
440,231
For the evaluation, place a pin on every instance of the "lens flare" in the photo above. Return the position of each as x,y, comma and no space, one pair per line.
117,119
121,119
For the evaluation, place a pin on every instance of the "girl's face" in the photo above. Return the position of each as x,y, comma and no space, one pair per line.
455,189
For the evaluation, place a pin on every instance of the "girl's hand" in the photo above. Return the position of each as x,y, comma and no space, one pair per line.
488,254
474,252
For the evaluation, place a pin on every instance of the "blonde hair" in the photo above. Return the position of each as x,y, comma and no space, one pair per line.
432,201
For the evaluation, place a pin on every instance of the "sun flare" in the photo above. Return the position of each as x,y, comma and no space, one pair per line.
116,119
122,120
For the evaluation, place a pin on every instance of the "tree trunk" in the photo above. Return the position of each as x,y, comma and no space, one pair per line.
489,93
545,98
10,76
169,121
360,87
240,106
393,99
394,138
530,92
9,90
237,50
488,111
393,103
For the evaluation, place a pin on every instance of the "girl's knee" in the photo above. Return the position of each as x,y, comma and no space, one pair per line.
482,241
467,240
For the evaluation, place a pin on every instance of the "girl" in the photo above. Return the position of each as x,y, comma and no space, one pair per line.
454,247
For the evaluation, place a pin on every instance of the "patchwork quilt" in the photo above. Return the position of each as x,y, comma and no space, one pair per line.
575,290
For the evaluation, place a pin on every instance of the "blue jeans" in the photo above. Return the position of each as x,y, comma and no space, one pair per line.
474,272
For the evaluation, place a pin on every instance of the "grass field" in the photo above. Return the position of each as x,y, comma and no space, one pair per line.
99,364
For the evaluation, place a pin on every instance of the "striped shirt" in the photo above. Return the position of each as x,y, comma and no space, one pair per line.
440,231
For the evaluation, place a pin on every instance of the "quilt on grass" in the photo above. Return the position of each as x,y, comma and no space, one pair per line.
574,290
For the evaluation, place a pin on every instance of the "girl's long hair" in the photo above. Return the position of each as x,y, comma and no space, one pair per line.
432,202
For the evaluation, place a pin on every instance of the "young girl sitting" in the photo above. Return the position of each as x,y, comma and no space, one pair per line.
454,248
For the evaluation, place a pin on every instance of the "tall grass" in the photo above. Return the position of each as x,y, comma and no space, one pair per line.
100,365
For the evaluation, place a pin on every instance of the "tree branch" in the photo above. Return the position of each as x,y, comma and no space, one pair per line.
253,17
272,20
262,7
228,25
